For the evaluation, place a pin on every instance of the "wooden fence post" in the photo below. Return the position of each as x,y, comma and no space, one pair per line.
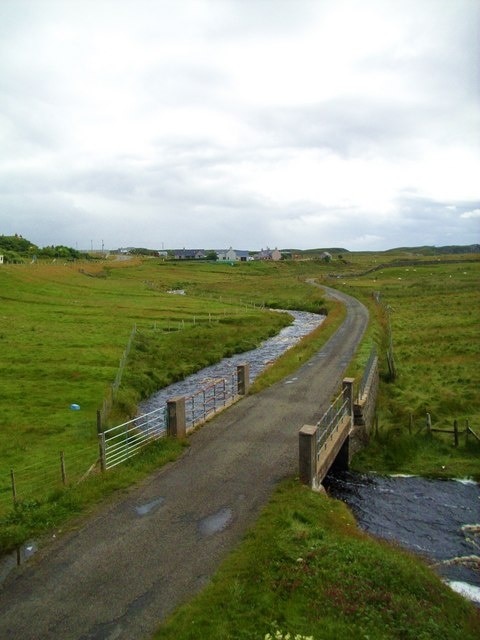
429,423
14,486
101,441
103,458
62,467
455,433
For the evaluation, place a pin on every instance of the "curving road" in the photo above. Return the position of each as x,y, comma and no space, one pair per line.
130,565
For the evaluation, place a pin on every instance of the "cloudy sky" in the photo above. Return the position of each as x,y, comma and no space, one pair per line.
244,123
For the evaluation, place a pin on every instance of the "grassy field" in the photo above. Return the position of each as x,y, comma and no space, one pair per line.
65,328
306,569
434,314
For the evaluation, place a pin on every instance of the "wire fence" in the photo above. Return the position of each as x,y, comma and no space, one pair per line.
36,480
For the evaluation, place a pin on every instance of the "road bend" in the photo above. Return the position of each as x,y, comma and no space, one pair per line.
127,567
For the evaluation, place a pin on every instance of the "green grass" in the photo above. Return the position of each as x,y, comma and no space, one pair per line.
65,328
306,568
434,313
63,508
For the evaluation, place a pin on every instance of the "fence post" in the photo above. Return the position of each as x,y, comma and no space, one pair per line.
62,467
176,417
14,486
101,441
243,378
103,457
455,433
429,423
307,454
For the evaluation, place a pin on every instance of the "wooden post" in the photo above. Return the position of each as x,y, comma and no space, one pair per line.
103,458
429,423
62,467
455,433
410,424
101,441
14,486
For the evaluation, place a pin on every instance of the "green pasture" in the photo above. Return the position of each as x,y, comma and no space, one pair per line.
65,327
433,311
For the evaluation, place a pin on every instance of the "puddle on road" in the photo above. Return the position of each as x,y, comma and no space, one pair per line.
16,558
216,522
149,507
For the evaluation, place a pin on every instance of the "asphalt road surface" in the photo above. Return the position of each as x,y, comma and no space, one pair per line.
131,564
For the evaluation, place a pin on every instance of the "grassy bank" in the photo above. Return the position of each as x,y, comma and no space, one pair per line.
306,569
432,313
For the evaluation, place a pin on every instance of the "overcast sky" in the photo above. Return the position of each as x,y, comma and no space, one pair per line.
244,123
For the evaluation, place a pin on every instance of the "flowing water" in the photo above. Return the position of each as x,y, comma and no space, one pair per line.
259,359
438,519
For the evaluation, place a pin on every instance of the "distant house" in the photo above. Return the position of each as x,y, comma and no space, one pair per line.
268,254
232,255
189,254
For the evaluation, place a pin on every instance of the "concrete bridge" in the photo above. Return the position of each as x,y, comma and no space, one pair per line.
331,442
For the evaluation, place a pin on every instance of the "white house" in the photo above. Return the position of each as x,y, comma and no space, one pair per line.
232,255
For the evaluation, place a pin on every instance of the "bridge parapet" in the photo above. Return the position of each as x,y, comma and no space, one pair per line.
320,444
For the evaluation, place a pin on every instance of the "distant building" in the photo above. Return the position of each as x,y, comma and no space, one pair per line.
268,254
189,254
232,255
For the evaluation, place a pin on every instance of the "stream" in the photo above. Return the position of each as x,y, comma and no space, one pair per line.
437,519
259,359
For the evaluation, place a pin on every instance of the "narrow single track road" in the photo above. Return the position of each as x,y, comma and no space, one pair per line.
130,565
